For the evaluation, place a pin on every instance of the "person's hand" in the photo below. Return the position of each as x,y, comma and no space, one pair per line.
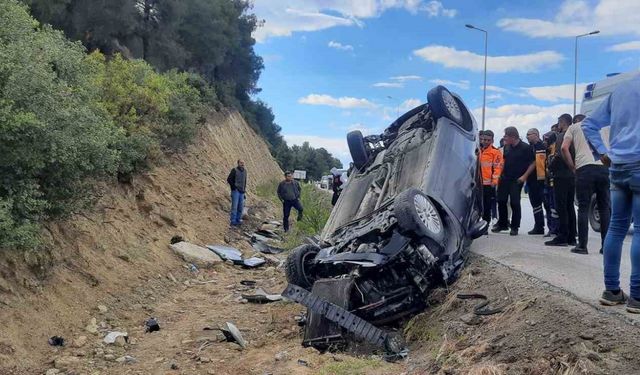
605,160
522,179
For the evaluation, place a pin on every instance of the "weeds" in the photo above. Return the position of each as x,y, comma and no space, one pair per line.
317,208
357,366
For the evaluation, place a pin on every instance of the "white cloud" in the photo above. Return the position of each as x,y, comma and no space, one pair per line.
623,47
435,9
575,17
463,84
284,17
453,58
340,46
343,102
410,104
497,89
523,117
555,93
494,96
406,78
395,85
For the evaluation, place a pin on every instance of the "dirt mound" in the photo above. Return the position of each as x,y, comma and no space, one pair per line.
117,254
540,330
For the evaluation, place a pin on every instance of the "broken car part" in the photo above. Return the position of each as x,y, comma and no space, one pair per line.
232,334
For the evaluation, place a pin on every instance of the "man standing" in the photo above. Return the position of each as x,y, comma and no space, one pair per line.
592,177
622,112
237,181
289,194
519,163
535,182
550,201
491,167
338,184
564,187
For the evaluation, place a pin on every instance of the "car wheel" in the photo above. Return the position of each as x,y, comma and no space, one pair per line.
594,215
357,148
297,266
416,214
444,104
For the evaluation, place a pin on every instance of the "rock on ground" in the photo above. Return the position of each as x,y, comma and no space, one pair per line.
198,255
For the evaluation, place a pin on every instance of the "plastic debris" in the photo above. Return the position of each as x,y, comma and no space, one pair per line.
112,337
234,255
151,325
232,334
56,341
260,296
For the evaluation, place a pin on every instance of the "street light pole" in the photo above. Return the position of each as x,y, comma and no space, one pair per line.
484,94
575,75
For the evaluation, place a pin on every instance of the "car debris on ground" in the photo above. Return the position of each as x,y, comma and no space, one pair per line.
232,334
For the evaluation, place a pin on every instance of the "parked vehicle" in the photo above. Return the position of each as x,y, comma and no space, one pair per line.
402,227
594,95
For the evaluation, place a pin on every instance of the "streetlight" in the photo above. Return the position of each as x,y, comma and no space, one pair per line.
484,95
397,105
575,77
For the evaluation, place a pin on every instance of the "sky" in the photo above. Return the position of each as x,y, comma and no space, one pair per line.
332,66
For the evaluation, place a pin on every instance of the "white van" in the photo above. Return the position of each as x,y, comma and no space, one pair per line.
594,95
599,91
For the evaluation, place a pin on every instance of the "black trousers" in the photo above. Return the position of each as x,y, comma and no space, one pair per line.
488,195
592,179
287,205
509,190
565,191
536,197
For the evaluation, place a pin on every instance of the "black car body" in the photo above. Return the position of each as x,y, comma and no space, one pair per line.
401,227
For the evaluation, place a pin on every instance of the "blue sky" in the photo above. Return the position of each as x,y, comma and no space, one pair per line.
333,66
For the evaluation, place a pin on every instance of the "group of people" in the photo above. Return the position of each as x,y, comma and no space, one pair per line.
288,192
554,169
572,162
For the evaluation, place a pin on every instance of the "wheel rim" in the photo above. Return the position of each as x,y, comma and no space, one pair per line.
452,105
427,214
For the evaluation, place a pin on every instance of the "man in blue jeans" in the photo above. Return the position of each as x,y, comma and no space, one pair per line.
622,111
237,181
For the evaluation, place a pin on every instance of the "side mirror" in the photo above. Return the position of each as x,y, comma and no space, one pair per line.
479,229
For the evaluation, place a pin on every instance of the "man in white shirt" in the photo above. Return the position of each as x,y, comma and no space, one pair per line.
592,177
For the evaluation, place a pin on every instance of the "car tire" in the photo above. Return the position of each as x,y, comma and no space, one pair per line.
296,267
594,215
357,148
444,104
416,214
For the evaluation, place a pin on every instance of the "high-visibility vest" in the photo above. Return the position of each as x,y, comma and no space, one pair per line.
491,164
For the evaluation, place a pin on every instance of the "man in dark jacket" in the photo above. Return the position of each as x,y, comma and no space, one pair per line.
535,182
519,163
289,194
564,187
237,181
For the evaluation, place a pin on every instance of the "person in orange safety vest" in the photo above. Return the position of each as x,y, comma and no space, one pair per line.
491,164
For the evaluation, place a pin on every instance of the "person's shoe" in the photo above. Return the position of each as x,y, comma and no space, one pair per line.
579,250
601,251
498,228
556,242
611,298
547,235
536,231
633,305
513,232
572,242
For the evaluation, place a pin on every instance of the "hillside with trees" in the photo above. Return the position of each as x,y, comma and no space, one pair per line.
124,83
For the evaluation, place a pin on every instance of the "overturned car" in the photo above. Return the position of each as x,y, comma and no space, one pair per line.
401,227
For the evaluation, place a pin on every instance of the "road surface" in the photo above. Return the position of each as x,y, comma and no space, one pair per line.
580,275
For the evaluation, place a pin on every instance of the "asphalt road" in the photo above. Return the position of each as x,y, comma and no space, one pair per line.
580,275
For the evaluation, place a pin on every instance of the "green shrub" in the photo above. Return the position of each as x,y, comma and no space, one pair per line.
68,118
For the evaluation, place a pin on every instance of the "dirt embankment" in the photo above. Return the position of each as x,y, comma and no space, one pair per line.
117,254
